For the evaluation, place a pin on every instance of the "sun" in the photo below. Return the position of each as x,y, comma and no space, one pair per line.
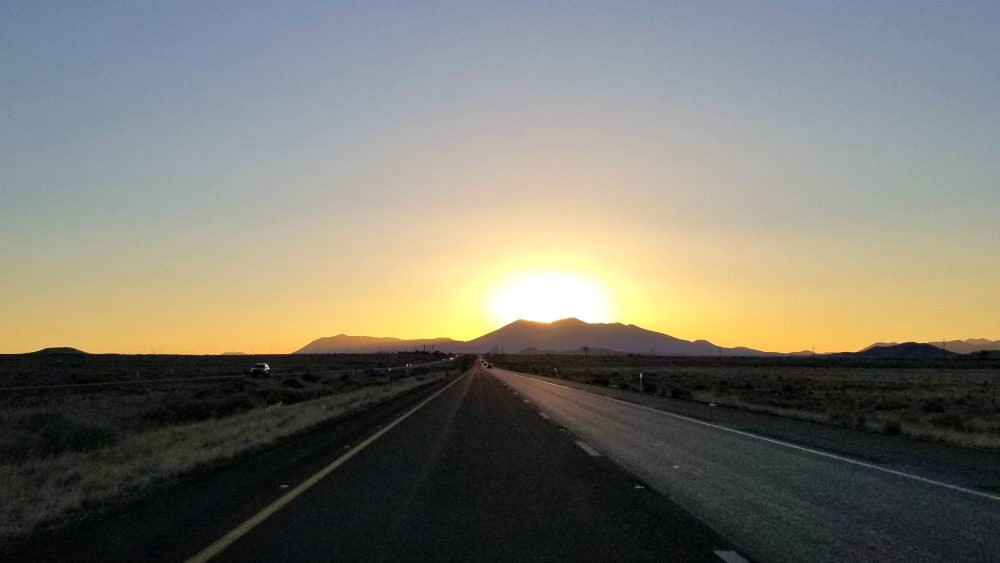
547,297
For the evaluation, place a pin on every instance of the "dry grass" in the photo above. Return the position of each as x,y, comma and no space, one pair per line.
41,489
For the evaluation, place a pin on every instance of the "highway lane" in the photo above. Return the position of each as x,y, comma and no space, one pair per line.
477,474
775,500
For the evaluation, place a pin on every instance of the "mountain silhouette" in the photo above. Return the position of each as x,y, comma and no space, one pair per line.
564,336
968,346
915,350
572,335
343,344
60,351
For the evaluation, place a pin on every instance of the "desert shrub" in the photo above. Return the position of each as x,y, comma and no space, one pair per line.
892,427
287,396
47,433
860,421
948,422
889,404
650,388
599,380
310,377
934,404
191,410
680,393
293,382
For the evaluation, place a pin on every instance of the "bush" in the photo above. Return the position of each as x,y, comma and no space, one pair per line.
293,382
948,422
190,410
600,380
934,404
860,422
892,427
681,393
650,388
45,434
889,405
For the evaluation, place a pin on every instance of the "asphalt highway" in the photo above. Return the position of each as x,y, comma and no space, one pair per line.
477,474
495,465
461,470
780,500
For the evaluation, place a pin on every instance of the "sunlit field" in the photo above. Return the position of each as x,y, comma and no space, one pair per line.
951,401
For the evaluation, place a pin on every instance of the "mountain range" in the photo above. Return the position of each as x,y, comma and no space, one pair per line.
563,336
969,346
575,336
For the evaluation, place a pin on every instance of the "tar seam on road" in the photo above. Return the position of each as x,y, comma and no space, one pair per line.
543,415
783,443
587,448
225,541
730,557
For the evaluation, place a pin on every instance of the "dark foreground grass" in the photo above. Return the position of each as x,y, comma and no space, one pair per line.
69,451
951,401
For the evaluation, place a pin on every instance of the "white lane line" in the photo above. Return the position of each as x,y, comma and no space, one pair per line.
227,540
526,401
731,557
827,455
586,447
543,415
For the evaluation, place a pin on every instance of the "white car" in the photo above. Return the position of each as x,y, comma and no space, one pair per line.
260,369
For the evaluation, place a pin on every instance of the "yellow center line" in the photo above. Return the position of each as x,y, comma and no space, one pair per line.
219,545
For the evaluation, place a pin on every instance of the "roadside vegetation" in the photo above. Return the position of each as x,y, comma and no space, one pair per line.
951,401
65,452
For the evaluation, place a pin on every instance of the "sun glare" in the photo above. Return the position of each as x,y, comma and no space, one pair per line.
549,297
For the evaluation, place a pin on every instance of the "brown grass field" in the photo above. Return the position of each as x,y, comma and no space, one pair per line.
65,450
955,401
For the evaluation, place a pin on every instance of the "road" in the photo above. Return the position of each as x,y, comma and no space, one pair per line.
467,471
495,465
779,500
477,474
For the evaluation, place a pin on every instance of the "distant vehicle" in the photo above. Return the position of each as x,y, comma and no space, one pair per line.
260,369
489,366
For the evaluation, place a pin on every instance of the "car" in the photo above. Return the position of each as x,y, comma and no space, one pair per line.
260,369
